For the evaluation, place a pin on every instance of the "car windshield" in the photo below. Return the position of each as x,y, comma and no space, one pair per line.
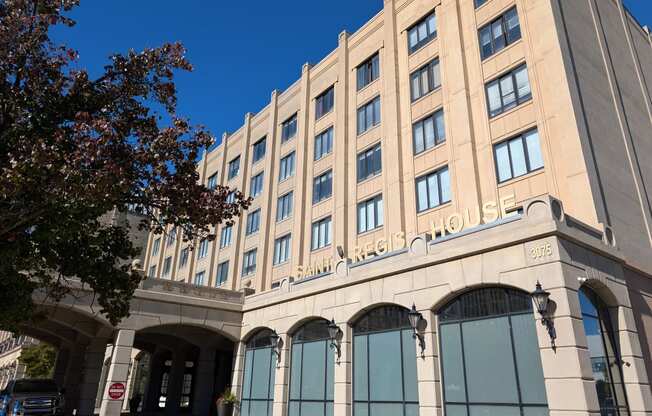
35,386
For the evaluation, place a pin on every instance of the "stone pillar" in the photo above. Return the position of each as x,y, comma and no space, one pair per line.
281,377
238,371
427,373
204,383
342,374
90,376
156,366
175,384
118,371
61,365
71,378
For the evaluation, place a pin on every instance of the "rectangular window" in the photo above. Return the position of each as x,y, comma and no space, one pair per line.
321,233
324,102
212,182
369,163
199,278
152,272
230,197
282,249
253,222
256,185
156,247
322,187
222,273
183,257
425,79
433,189
203,249
167,265
284,206
225,236
324,143
508,91
368,71
289,129
286,168
234,167
370,214
249,262
422,32
498,34
428,132
369,115
259,150
479,3
518,156
172,237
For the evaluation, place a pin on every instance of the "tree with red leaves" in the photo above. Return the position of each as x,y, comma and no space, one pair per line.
73,148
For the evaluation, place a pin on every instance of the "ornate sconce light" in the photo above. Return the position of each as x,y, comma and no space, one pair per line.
541,300
415,319
277,345
335,335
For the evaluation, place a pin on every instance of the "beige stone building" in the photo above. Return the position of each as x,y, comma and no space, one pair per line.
409,192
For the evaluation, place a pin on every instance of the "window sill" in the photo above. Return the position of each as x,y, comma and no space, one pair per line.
517,179
369,130
286,179
317,120
286,219
368,86
434,209
368,232
317,250
322,201
324,156
428,94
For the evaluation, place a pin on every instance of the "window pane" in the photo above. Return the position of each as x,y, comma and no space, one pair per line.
445,184
314,363
293,409
432,24
451,361
423,31
409,367
413,37
485,41
429,130
513,27
386,409
534,150
497,34
360,409
361,120
441,130
370,121
360,357
371,215
480,410
528,360
507,90
433,191
385,367
522,82
536,411
378,160
425,84
418,138
493,95
377,111
312,409
455,410
482,336
502,162
436,77
415,86
379,210
260,375
518,157
362,218
295,371
422,194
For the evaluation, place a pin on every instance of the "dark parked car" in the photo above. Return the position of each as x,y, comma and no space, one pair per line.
31,397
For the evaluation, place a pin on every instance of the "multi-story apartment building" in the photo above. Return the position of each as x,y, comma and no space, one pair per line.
449,155
10,349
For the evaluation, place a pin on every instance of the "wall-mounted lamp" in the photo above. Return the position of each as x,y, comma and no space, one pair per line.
415,319
340,252
277,345
541,300
335,334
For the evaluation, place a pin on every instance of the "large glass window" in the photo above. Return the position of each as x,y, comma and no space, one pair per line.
212,181
422,32
368,71
234,167
199,278
259,371
501,32
369,115
425,79
256,185
167,266
284,206
253,222
183,257
259,150
282,249
433,189
321,233
156,247
286,168
508,91
324,143
249,262
322,187
428,132
289,129
324,102
369,162
203,248
490,360
311,371
518,156
605,359
226,236
222,273
384,364
370,214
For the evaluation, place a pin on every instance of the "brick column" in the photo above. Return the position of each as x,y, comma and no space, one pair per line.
118,371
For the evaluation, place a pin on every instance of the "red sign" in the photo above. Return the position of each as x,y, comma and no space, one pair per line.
116,391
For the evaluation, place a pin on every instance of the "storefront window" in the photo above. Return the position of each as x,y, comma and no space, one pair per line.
258,383
384,364
605,360
311,374
490,358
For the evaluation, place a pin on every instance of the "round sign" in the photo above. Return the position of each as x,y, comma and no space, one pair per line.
116,391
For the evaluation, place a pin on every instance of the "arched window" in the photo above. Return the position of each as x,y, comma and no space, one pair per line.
384,364
311,375
490,358
605,359
258,384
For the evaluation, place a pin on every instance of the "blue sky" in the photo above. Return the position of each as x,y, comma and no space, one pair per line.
241,50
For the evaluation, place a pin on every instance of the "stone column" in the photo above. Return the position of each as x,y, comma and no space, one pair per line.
204,383
342,374
427,372
175,384
156,365
118,371
71,378
281,378
61,365
238,371
90,376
